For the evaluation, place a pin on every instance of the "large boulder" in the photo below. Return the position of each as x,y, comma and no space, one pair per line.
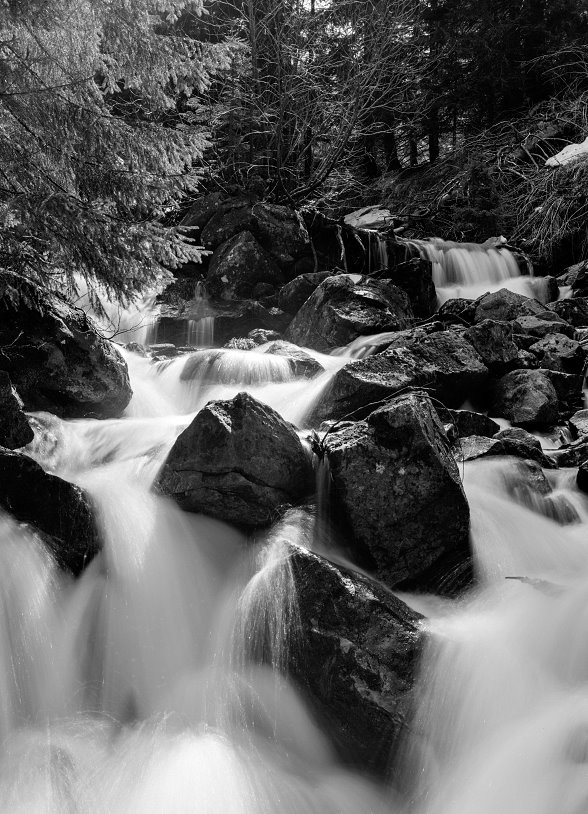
55,356
494,343
415,276
527,398
504,306
230,218
15,430
541,325
444,362
357,659
397,487
281,231
340,310
560,353
58,509
295,293
238,461
237,266
202,209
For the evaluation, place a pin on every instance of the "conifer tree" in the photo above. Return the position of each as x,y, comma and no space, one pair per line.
94,153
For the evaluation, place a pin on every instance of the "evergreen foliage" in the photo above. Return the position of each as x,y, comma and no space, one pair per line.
97,140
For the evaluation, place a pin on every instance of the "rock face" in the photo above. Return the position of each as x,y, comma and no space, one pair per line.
398,487
504,306
56,359
238,461
237,266
494,343
15,430
357,659
444,362
416,278
55,507
527,398
340,310
295,293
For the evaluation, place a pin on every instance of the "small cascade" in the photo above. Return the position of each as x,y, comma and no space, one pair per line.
200,328
377,252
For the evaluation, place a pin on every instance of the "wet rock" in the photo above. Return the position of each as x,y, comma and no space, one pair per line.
340,310
15,430
357,658
239,318
238,461
582,477
58,509
459,309
477,446
240,343
574,311
573,454
577,278
295,293
545,289
281,231
542,325
568,387
398,488
416,278
526,398
521,444
579,422
56,358
505,306
303,364
202,210
262,335
559,352
443,362
237,266
468,422
494,343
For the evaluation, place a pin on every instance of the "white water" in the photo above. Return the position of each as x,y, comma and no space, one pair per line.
130,689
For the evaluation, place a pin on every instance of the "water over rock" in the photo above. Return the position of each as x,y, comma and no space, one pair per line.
444,362
58,509
15,430
302,363
398,488
357,659
340,310
527,398
56,358
237,266
238,461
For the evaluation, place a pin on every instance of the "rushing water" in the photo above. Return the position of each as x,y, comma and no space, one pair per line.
129,690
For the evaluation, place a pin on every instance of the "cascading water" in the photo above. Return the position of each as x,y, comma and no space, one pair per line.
131,690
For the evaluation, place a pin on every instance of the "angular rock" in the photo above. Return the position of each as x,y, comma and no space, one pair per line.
281,231
526,398
522,444
262,335
357,659
303,364
237,266
398,488
459,309
238,461
559,352
468,422
574,311
443,362
504,306
568,387
202,210
55,357
230,218
579,422
416,278
542,325
494,343
58,509
295,293
340,310
477,446
15,430
573,454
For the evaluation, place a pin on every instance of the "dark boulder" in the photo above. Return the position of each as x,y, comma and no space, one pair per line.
281,232
579,422
295,293
526,398
15,430
574,311
568,387
340,310
560,353
237,266
238,461
56,358
416,278
468,422
582,477
59,510
504,306
458,310
471,447
542,325
494,343
202,210
443,362
302,363
240,318
397,486
521,444
262,335
327,241
230,218
357,659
